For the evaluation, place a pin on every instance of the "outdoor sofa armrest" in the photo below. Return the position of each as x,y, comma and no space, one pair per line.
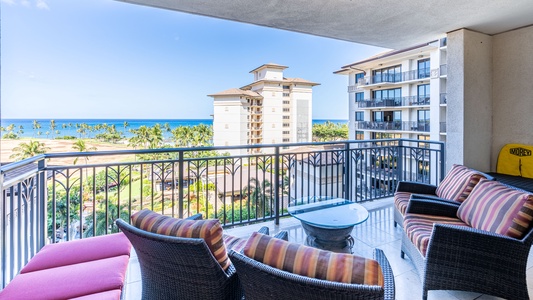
264,230
194,217
416,187
433,207
460,253
431,197
283,235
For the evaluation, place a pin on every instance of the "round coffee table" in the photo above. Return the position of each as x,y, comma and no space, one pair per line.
329,223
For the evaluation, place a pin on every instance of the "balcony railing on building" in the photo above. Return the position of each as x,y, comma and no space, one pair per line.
395,102
393,126
395,77
49,199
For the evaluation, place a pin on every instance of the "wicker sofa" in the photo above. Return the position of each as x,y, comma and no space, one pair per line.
453,188
481,245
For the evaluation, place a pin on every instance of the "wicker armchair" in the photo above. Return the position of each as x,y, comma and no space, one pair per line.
468,259
180,268
261,281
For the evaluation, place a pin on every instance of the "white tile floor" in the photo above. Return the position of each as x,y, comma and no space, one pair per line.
377,232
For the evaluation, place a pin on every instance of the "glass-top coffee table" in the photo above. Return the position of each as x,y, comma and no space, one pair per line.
329,223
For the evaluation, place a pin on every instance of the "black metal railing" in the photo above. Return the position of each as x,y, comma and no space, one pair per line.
49,198
395,125
395,101
395,77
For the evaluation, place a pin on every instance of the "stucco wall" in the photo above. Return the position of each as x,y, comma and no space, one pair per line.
469,94
512,89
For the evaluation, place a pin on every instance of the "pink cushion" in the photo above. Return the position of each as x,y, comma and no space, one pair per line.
458,183
497,208
107,295
69,281
78,251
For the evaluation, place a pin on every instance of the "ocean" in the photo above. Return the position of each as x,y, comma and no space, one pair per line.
67,127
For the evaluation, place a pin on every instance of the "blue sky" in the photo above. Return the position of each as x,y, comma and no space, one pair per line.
108,59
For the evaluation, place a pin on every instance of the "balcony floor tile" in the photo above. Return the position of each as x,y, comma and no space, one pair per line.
377,232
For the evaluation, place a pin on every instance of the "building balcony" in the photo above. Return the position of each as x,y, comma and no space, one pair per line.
392,79
395,102
393,126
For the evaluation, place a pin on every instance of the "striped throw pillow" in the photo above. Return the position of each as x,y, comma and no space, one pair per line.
209,230
312,262
458,183
497,208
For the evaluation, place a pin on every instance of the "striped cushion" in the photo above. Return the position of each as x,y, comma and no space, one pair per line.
209,230
233,242
401,200
458,183
312,262
418,228
497,208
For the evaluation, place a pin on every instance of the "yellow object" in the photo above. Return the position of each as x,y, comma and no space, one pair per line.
516,159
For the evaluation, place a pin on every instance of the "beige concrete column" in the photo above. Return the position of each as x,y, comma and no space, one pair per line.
469,95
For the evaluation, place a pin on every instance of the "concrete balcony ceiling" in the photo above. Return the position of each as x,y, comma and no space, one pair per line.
389,24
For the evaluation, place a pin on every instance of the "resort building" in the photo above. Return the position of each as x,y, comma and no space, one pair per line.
272,109
399,94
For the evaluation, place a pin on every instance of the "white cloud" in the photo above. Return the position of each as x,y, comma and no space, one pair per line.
10,2
41,4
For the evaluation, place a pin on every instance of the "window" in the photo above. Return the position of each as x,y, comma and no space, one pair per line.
423,138
286,132
286,117
423,116
390,74
390,97
286,110
286,140
359,135
286,87
286,94
377,116
359,78
359,116
286,125
423,94
286,102
423,120
423,68
359,97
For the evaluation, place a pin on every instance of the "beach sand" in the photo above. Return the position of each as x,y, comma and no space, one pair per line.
60,146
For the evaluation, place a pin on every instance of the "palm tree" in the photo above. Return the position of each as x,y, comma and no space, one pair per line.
141,137
36,125
126,124
260,196
182,136
27,150
156,137
52,126
80,146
